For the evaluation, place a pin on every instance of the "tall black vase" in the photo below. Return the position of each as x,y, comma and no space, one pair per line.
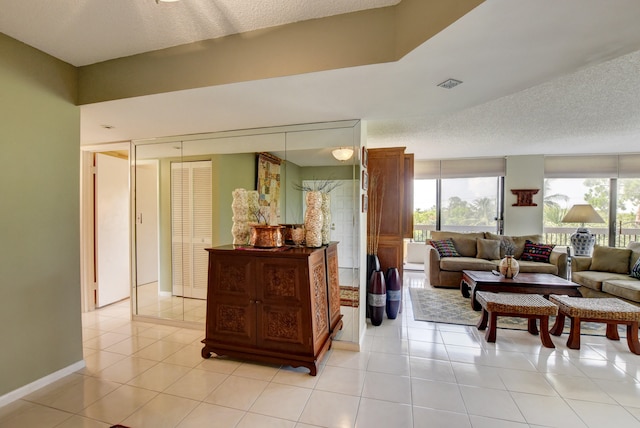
377,298
373,265
394,292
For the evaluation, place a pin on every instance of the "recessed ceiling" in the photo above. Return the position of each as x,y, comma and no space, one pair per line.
539,76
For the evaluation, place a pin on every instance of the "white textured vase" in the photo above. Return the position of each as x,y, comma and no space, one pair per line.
240,209
509,267
313,220
326,218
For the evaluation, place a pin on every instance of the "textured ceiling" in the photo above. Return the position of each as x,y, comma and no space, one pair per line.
540,76
83,32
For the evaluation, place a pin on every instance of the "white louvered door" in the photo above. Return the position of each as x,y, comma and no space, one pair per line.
191,227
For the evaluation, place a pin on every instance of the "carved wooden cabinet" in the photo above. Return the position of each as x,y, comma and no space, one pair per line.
333,282
270,306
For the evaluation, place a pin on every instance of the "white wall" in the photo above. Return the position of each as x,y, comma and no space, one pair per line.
523,172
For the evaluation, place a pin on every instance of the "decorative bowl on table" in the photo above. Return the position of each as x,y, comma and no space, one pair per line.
266,236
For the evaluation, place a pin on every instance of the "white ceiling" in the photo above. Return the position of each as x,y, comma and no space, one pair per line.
540,76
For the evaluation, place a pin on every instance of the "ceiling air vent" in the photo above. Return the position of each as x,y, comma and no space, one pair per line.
450,83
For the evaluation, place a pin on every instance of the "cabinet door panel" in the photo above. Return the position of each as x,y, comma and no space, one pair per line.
231,307
282,328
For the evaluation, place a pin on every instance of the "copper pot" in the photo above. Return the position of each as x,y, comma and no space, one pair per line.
264,236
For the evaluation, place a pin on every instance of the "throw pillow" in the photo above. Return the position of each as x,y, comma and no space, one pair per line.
466,246
488,249
635,271
609,259
536,252
445,248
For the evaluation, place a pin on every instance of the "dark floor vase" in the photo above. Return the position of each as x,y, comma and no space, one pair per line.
377,298
373,265
394,292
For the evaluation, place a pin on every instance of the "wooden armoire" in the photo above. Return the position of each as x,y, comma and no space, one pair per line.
391,172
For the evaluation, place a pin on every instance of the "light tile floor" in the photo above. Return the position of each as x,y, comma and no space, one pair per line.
409,374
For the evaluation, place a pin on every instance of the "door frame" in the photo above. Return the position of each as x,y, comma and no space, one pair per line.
88,284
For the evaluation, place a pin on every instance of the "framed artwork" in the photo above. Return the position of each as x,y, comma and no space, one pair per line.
365,180
365,203
365,157
268,186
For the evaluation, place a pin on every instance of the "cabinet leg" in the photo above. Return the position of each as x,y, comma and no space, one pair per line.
206,353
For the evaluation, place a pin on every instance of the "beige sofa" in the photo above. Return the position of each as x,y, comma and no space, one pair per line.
606,272
447,271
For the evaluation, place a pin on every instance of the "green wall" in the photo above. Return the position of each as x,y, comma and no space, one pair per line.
40,321
233,172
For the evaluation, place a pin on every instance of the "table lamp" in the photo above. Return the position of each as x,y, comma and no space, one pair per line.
582,240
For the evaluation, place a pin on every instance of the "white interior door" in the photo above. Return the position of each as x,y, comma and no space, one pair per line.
112,229
191,213
342,220
146,222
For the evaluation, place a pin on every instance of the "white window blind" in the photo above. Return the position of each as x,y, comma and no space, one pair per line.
460,168
595,166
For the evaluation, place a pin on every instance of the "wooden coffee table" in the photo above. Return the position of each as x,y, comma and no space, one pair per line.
524,283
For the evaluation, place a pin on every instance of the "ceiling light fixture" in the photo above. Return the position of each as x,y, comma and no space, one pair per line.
342,153
450,83
166,1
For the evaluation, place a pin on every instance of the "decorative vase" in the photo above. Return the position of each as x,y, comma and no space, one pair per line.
297,235
377,298
373,265
509,267
313,220
326,218
394,292
240,209
265,236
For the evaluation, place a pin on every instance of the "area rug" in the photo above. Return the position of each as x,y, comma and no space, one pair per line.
349,296
446,305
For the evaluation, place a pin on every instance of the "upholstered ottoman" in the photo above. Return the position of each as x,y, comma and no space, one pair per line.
611,311
530,306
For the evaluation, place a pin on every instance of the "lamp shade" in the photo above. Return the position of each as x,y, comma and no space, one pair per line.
582,213
343,153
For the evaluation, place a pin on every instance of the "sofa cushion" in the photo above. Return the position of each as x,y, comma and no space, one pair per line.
635,270
445,248
466,263
626,288
488,249
444,234
536,252
537,267
608,259
594,279
465,246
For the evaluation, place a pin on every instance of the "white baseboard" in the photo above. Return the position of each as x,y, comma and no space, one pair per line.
44,381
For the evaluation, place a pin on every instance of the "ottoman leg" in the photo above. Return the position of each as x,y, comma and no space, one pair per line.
632,338
612,331
544,332
558,326
574,335
482,323
490,335
532,326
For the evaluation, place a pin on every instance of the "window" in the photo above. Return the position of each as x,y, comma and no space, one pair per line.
469,204
457,194
560,194
466,204
628,211
424,208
